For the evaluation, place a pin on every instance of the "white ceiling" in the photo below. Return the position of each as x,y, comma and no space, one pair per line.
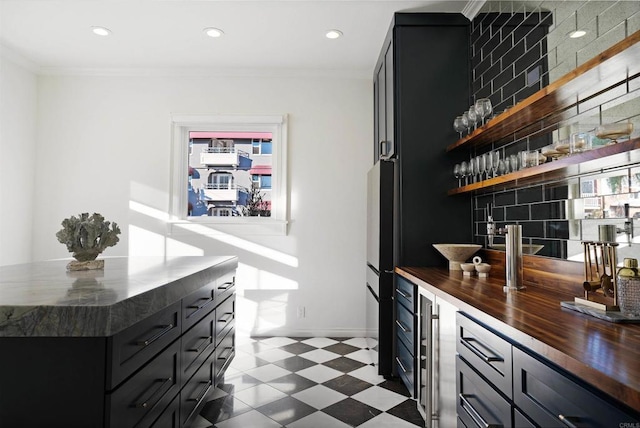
261,36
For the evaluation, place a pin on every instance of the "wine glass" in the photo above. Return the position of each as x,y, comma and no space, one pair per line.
466,121
503,168
459,125
464,172
487,159
473,117
456,173
478,166
483,108
495,162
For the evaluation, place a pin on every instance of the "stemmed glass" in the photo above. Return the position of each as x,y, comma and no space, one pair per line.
478,167
466,121
464,172
456,173
487,159
484,108
473,117
495,163
459,125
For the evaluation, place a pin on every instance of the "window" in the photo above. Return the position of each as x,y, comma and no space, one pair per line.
229,169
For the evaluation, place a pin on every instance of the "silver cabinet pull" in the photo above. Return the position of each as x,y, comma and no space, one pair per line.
567,421
467,342
230,349
149,341
403,294
203,392
473,413
148,401
228,316
226,285
198,307
406,330
205,341
400,364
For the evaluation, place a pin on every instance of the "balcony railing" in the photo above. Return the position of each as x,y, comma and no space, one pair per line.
225,157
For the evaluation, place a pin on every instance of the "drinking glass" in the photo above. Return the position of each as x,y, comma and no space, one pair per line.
477,167
484,108
502,167
495,162
487,161
456,173
464,172
459,125
513,163
473,117
465,120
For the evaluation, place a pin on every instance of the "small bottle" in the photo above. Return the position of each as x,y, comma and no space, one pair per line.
629,287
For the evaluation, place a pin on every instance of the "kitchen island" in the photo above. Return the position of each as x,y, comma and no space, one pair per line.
140,343
601,355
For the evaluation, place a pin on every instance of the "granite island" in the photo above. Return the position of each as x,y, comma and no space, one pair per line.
140,343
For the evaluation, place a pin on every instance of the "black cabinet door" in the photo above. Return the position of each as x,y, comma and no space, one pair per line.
379,113
479,405
551,399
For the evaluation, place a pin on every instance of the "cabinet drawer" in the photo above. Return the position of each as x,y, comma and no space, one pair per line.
487,352
478,404
141,399
405,362
132,348
195,391
226,286
197,345
197,305
405,327
225,317
224,354
550,398
170,418
405,293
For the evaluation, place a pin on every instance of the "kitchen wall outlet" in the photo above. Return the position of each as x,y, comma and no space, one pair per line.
302,312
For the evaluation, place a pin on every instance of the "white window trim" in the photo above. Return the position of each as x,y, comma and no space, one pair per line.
276,224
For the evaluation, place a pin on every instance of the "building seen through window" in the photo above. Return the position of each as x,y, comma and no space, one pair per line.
229,174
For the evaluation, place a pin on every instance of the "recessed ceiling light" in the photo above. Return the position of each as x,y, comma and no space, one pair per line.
576,34
213,32
101,31
333,34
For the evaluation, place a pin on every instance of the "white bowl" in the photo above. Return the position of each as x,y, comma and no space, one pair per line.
468,268
483,269
457,253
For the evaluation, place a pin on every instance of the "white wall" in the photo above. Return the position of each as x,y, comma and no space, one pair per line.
18,102
104,142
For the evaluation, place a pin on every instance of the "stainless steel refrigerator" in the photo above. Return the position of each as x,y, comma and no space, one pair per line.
380,263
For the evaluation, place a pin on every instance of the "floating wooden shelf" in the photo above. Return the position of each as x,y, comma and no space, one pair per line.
611,68
592,161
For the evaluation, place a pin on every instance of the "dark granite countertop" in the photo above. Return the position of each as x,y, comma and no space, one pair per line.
601,353
44,299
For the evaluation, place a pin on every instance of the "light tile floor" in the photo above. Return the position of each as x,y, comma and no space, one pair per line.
316,382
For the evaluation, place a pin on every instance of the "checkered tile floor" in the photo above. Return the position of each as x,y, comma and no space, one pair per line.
314,382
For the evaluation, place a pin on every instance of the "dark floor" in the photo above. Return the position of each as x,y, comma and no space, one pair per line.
307,383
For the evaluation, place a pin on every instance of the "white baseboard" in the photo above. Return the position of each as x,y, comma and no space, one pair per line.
289,332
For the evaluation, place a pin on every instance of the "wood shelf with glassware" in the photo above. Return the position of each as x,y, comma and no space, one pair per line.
596,160
613,67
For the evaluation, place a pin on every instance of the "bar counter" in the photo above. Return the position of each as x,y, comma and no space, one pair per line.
603,354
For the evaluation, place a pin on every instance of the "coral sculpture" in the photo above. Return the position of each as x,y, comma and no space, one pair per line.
87,236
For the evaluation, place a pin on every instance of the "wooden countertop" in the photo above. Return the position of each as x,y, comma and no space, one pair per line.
603,354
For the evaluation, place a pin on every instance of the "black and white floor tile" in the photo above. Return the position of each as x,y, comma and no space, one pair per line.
314,382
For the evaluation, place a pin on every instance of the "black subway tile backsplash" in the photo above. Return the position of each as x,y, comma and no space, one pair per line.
517,212
529,194
505,198
558,229
532,229
548,210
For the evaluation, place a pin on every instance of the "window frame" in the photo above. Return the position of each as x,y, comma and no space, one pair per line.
181,125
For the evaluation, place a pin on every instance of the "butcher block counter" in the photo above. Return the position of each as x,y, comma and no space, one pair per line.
603,354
